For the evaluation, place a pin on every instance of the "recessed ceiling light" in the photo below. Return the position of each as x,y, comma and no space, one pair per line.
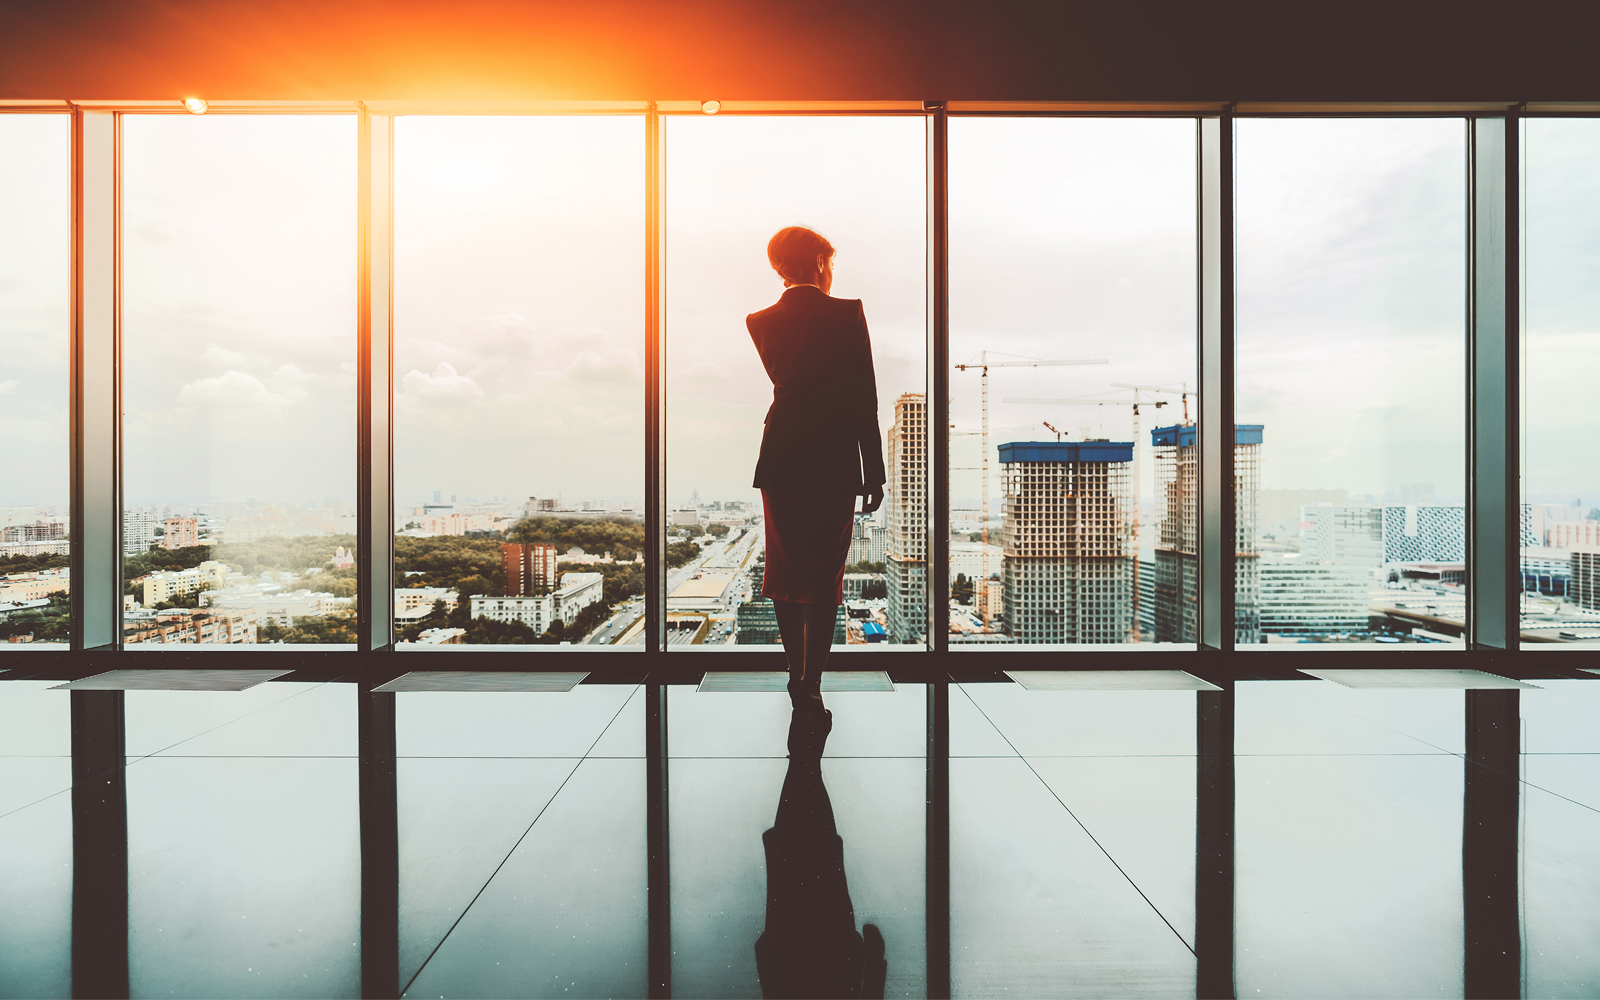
710,107
195,105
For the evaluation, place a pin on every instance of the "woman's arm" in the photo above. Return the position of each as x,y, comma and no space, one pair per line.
869,438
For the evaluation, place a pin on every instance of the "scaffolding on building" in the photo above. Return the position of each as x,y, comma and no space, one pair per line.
1068,541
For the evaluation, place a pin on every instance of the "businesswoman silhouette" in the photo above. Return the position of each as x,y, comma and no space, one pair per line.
820,450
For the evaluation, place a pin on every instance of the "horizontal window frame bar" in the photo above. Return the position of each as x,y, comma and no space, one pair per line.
912,665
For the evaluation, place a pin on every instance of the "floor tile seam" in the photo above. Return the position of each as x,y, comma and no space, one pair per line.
1413,753
314,687
1581,805
509,854
754,756
39,801
1068,809
1380,725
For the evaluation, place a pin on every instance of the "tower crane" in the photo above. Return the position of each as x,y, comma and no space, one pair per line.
983,364
1138,491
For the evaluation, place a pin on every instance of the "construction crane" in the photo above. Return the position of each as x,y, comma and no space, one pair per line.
1138,490
983,364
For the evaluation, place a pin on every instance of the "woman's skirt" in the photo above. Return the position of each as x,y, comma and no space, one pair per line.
808,539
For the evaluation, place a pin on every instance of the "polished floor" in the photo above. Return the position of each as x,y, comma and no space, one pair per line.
523,854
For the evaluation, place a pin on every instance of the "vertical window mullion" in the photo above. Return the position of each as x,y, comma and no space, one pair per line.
1218,504
96,516
937,454
1493,501
375,384
655,478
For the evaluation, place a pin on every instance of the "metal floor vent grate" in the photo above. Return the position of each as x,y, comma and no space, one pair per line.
1110,680
740,681
173,680
1418,677
486,681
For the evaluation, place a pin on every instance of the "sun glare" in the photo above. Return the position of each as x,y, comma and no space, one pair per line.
195,105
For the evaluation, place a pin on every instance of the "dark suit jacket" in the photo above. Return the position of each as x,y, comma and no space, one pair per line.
822,429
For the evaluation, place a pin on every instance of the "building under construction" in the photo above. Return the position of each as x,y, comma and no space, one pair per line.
1177,562
1068,541
907,499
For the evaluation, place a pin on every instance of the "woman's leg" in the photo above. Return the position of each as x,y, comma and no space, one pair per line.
820,621
792,630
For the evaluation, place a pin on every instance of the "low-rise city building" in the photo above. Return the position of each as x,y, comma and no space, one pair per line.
168,585
441,636
575,592
192,627
35,586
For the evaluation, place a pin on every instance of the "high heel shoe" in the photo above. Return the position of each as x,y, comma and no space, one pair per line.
808,732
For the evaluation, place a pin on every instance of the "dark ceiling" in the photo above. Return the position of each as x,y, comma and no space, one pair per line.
1248,50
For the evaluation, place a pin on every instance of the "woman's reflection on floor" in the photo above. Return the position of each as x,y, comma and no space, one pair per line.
810,947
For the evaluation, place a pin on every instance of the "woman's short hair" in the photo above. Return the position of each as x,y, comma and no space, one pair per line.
793,252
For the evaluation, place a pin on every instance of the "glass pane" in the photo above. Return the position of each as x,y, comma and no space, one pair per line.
522,843
1072,838
239,351
244,862
35,840
767,852
519,379
1348,813
732,183
1560,824
35,324
1351,353
1072,335
1561,358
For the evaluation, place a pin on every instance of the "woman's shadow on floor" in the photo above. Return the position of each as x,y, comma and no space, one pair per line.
810,947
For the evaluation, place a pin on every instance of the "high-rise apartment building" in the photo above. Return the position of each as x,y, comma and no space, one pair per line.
180,532
138,531
1068,541
1177,459
907,498
530,569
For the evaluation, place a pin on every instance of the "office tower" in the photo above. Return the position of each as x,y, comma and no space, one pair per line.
1068,541
1584,587
1177,459
1305,596
907,499
529,569
1345,534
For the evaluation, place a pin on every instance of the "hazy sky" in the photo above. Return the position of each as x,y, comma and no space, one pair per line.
239,307
35,307
1069,239
519,307
519,304
1351,318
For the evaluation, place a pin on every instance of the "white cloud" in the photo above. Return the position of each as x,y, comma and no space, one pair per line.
233,388
444,382
8,386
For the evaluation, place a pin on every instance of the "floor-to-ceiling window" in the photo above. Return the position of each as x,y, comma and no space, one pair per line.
519,249
238,372
731,183
1073,514
1350,405
35,380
